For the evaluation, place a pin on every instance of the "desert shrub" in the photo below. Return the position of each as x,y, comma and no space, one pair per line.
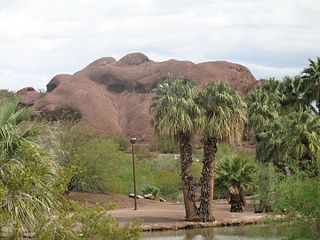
151,189
265,184
164,174
31,186
298,197
87,223
123,143
91,162
143,152
171,187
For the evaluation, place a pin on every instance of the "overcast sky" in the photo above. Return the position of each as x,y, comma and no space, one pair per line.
40,38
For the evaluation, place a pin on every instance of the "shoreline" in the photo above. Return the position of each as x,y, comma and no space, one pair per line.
193,225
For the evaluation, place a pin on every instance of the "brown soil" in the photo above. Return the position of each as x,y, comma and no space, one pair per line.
158,215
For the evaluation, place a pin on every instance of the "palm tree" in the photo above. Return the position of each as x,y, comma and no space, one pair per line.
291,140
224,117
234,176
175,114
29,179
264,105
311,78
293,90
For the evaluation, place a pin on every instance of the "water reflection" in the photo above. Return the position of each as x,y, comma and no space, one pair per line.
225,233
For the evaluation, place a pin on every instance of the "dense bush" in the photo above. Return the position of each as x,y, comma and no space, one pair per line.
298,196
88,223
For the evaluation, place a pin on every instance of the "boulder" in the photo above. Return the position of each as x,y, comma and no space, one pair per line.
112,97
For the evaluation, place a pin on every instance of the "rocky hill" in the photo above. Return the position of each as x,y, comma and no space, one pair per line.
112,97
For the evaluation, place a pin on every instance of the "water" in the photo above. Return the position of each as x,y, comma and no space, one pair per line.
251,232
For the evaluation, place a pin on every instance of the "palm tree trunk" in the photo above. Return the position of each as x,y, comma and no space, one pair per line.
207,180
186,177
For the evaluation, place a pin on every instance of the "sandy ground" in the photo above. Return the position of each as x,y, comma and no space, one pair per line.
158,215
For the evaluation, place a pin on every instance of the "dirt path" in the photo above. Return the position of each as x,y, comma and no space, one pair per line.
166,215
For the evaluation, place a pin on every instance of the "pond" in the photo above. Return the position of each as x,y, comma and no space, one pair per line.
251,232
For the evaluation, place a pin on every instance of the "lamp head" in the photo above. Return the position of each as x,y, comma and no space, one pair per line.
133,140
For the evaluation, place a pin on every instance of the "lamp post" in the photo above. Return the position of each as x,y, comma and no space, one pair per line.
133,141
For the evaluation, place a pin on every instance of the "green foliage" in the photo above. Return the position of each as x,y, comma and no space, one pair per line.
291,139
151,189
234,172
30,184
123,142
162,173
311,77
164,144
88,223
298,196
173,109
92,161
6,94
224,111
265,186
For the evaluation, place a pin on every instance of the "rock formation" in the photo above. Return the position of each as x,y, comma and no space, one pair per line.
112,97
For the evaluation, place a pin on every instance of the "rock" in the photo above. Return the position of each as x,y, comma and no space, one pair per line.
149,196
28,96
112,97
162,200
138,196
178,202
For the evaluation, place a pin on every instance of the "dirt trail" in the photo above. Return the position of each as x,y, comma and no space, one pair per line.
166,215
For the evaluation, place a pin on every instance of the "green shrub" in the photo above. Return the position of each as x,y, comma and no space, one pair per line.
164,145
87,223
151,189
298,197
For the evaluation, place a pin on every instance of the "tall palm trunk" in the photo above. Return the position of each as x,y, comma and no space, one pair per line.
207,179
186,177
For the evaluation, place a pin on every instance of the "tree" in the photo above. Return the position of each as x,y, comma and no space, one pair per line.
311,79
291,140
293,91
224,117
29,184
234,176
175,114
263,105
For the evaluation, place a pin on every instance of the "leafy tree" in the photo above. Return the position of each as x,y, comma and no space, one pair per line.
175,114
224,117
311,81
234,176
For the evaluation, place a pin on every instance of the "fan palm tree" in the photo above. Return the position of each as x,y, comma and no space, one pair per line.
175,114
292,139
224,117
292,88
311,81
28,175
264,105
234,176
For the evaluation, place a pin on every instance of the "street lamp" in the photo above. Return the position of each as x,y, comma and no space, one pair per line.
133,141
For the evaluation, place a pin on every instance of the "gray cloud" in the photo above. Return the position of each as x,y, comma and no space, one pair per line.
41,38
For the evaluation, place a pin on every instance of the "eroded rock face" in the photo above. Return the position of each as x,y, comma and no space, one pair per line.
112,97
28,96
